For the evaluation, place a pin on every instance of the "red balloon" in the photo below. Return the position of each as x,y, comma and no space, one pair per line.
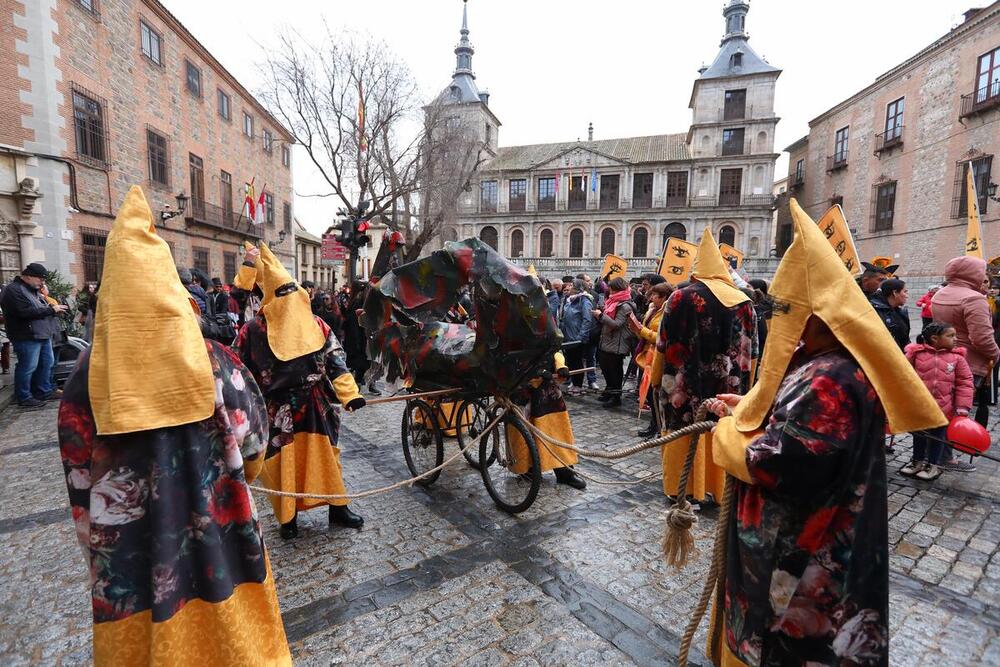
968,436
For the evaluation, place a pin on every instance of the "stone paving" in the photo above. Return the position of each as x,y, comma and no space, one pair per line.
439,576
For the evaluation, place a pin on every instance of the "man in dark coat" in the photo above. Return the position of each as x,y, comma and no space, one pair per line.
888,302
30,326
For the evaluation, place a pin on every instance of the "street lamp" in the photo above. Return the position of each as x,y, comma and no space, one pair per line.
281,236
166,213
991,192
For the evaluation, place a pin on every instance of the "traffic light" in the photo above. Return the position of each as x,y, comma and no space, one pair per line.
360,237
346,235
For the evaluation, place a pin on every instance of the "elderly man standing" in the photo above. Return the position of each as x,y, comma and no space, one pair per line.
30,326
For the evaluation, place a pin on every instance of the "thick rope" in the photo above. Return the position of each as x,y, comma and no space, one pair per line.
715,584
384,489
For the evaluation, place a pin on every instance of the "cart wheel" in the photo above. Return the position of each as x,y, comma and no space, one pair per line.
423,444
512,492
470,422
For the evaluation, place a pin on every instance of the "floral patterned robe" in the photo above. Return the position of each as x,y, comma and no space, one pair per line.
302,454
706,349
179,574
807,571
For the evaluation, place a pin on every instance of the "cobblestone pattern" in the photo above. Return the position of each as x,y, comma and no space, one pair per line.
439,576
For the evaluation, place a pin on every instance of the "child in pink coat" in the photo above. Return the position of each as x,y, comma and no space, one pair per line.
944,370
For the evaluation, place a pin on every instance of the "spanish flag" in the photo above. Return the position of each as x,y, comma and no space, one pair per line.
974,233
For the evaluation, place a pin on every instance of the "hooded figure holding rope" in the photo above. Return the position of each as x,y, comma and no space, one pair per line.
805,578
302,371
160,431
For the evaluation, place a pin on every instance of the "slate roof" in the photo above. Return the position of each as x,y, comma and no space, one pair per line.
752,63
634,150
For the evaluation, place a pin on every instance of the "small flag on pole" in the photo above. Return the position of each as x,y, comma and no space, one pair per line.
593,179
974,233
260,209
557,184
249,203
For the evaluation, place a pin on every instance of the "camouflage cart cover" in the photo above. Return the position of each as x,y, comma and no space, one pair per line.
509,336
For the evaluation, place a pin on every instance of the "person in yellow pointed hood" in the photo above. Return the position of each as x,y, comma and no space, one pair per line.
160,432
706,346
300,366
807,574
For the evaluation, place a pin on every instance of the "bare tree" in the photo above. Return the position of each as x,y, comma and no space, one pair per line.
410,162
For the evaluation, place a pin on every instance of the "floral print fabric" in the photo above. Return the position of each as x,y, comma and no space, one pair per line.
807,566
165,516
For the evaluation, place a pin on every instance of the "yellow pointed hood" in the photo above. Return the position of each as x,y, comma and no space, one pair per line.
812,280
149,367
292,330
711,269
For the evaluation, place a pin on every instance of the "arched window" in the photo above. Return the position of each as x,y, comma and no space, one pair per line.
576,243
450,234
640,239
489,236
607,241
674,230
727,235
516,243
545,243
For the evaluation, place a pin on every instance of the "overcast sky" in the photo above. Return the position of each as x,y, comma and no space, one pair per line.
552,66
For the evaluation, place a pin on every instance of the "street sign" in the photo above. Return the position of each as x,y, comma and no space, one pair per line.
333,251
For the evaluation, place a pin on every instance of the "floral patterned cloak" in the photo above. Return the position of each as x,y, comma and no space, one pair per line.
178,570
705,349
807,570
302,453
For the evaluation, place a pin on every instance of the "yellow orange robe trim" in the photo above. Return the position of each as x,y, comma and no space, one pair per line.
706,477
554,423
245,629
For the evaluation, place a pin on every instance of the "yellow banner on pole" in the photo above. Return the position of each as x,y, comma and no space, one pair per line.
729,253
614,267
833,224
677,261
974,233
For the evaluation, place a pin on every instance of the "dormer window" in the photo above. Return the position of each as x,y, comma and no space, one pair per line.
736,60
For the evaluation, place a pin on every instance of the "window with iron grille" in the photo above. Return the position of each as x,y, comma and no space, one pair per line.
225,107
488,197
732,141
489,236
546,194
192,78
677,188
609,190
988,76
736,104
727,235
516,243
675,230
286,156
226,194
200,259
518,192
640,241
607,241
150,42
577,198
800,171
981,176
883,206
247,125
269,208
228,266
90,127
94,241
642,191
576,243
545,245
730,187
156,150
286,216
267,141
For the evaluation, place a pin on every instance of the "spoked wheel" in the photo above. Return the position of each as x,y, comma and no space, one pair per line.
471,421
423,444
511,471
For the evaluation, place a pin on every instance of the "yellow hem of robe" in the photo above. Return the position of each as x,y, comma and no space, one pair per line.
243,629
556,425
309,464
706,477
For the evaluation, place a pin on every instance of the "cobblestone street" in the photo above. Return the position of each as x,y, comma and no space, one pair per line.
439,576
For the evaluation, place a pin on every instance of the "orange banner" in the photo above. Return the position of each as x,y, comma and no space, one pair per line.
729,253
614,267
833,224
677,260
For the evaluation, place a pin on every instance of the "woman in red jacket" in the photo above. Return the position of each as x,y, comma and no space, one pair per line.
924,303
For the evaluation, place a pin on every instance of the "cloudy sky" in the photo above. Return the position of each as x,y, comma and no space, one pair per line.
552,66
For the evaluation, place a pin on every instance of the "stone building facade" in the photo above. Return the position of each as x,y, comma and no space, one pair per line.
100,95
308,260
894,155
564,206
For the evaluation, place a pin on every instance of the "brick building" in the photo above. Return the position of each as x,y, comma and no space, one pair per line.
894,155
111,93
564,206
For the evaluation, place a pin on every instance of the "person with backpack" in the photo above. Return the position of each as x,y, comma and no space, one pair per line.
576,325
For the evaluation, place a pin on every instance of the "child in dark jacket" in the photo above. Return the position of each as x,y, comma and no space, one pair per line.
944,370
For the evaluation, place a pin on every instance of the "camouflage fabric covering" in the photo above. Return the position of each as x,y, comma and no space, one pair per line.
509,336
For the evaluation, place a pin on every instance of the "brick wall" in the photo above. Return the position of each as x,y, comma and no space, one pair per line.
12,132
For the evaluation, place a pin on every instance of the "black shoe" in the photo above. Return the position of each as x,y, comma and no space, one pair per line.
604,397
341,516
615,402
54,395
373,391
569,477
649,432
31,403
290,529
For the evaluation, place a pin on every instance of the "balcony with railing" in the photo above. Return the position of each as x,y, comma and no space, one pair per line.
984,99
759,200
676,201
837,161
888,140
798,180
204,213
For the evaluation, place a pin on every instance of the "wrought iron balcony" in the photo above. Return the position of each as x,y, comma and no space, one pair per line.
889,139
759,200
203,213
987,97
836,161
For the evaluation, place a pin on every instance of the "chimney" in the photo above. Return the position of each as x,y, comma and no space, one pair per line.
590,132
484,97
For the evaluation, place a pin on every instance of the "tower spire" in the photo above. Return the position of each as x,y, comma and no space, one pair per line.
735,14
464,50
